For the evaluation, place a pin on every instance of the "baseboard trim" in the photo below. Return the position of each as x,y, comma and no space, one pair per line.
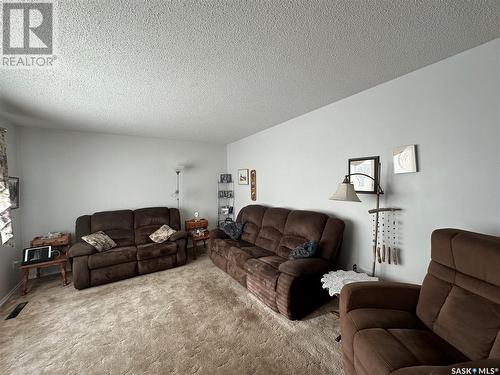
4,299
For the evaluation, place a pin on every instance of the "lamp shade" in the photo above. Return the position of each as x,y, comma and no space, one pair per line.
178,168
345,192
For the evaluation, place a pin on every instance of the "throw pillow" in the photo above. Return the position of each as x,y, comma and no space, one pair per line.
232,229
100,240
306,250
162,234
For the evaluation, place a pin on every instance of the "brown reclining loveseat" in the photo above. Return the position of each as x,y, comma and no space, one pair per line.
259,261
135,254
450,325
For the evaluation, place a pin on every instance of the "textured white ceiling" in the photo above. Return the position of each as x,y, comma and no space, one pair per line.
218,71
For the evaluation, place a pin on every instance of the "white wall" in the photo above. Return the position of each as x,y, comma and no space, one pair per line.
67,174
450,109
9,274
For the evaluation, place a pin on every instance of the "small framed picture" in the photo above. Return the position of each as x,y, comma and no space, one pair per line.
368,166
405,159
226,194
225,178
13,184
242,176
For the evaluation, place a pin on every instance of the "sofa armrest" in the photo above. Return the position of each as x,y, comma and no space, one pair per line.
218,233
303,267
179,235
382,295
80,249
490,363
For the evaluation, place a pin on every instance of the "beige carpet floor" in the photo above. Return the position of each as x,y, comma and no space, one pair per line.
193,319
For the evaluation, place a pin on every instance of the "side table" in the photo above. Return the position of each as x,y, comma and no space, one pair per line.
62,244
198,231
335,280
60,261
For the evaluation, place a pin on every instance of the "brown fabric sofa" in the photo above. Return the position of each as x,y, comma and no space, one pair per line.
259,261
135,254
451,321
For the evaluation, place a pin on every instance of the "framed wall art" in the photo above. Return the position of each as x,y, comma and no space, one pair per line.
225,178
405,159
368,166
242,176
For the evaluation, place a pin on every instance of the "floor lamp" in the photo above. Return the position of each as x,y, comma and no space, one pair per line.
346,192
178,169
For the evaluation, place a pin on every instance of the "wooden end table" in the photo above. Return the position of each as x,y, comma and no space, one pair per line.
62,244
198,231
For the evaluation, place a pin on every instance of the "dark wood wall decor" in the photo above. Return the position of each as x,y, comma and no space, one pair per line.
253,185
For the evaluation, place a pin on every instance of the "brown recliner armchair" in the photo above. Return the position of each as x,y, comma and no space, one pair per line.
452,321
259,262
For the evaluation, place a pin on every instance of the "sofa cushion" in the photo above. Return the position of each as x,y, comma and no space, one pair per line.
148,220
99,241
114,256
266,274
162,234
232,229
273,225
303,267
119,225
251,216
301,226
151,216
239,256
82,226
383,318
363,318
306,250
273,260
155,250
241,243
81,249
384,351
331,240
220,245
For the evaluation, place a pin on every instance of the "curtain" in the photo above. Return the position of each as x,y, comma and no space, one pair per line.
5,220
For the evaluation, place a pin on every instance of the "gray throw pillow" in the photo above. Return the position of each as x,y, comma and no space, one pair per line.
100,240
306,250
162,234
232,229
